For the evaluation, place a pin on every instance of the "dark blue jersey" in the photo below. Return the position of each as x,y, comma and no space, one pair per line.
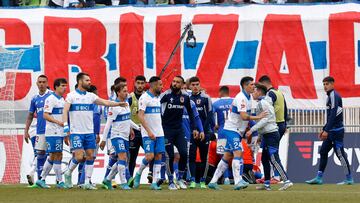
37,105
221,109
334,112
186,121
204,106
172,109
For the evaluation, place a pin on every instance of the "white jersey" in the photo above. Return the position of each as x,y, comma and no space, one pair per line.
54,105
81,111
119,117
150,104
241,103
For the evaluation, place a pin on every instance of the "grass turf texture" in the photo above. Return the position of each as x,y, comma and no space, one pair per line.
298,193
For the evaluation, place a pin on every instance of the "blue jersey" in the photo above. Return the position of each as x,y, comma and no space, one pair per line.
186,121
172,109
204,106
334,112
221,108
37,105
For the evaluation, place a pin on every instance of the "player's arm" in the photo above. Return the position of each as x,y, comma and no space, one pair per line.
104,102
109,121
209,122
51,119
273,97
263,121
134,125
141,116
190,113
333,110
245,116
29,120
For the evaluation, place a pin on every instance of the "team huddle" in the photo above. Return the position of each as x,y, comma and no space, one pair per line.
189,141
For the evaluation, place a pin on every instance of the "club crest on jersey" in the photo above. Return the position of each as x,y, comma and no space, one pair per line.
76,138
198,101
110,113
242,106
182,99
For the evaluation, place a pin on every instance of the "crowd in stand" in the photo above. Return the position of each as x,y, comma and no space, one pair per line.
91,3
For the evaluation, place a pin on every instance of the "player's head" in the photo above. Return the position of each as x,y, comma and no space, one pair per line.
328,83
120,80
224,91
60,85
83,81
266,81
42,83
156,85
177,83
260,90
247,84
121,91
140,82
93,89
194,85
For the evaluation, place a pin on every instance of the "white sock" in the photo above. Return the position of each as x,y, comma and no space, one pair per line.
89,167
33,167
112,172
236,166
46,169
220,170
73,164
143,165
156,171
57,170
121,167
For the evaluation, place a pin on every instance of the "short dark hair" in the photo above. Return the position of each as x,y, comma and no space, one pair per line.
182,79
261,87
245,80
194,79
224,89
119,80
140,77
43,76
154,79
329,79
264,78
59,81
76,86
112,88
92,88
119,87
80,76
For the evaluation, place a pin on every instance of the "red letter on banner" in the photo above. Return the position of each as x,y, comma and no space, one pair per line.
167,34
342,52
16,33
283,34
131,47
217,50
89,56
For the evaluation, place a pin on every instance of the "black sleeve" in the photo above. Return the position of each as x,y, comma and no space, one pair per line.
130,100
190,113
210,116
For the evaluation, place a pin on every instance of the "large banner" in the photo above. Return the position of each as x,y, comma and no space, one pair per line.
297,46
304,158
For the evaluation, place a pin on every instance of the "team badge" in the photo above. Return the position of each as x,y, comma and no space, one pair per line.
182,99
110,113
198,101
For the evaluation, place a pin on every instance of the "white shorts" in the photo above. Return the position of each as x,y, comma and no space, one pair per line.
220,146
32,131
40,143
176,151
110,148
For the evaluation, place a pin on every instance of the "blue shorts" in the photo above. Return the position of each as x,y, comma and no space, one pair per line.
233,140
120,145
153,146
82,141
54,144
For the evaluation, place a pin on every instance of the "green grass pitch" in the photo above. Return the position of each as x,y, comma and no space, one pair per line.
298,193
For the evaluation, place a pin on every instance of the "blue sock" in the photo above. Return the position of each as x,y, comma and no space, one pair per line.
176,170
267,182
81,172
41,158
112,161
320,174
348,176
127,173
163,166
226,173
